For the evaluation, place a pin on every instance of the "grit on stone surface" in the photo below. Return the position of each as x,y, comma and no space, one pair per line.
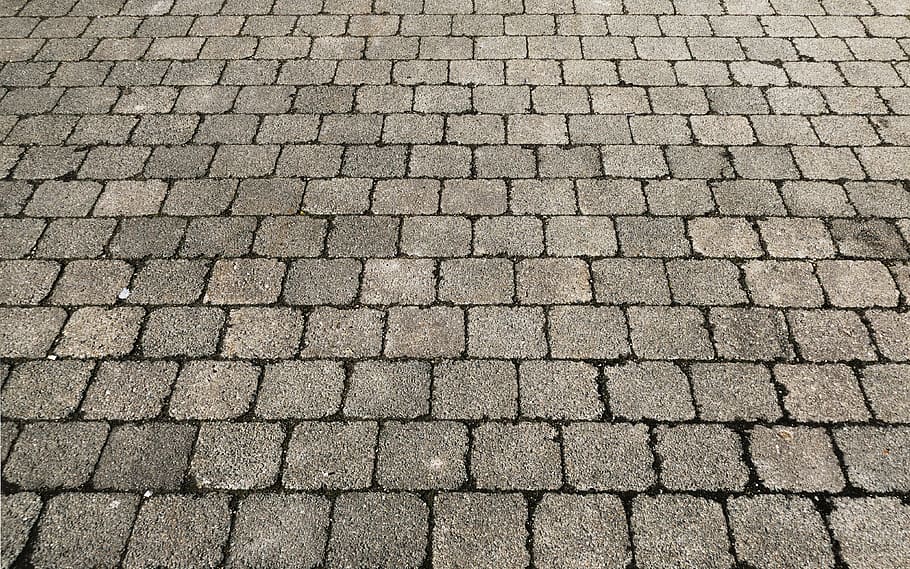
467,284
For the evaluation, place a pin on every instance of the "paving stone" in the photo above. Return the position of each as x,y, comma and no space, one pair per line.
50,456
213,390
795,458
20,511
830,335
91,282
750,333
330,455
824,393
456,384
480,531
29,332
100,332
891,330
857,283
578,531
552,281
476,281
799,536
870,531
592,456
422,455
303,389
245,281
885,387
81,530
869,238
669,333
394,534
517,236
264,333
648,390
279,531
322,281
587,332
679,530
700,457
241,456
177,530
652,237
783,283
506,332
630,281
45,389
145,457
733,391
169,281
875,457
343,333
523,456
388,389
398,281
559,390
182,330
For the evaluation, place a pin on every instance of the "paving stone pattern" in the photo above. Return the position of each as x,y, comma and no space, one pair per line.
455,283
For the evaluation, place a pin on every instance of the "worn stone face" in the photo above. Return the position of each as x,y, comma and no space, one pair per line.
465,284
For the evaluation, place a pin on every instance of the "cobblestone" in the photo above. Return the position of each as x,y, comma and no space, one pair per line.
489,283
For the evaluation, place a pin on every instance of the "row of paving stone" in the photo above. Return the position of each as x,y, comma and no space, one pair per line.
560,331
452,529
74,96
457,161
444,390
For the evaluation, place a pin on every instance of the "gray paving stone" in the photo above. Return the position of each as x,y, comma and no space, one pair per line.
796,459
93,332
830,335
825,393
388,389
875,457
20,511
330,455
870,531
300,389
608,456
891,330
322,281
669,333
422,455
522,456
91,282
145,457
700,457
84,530
750,334
580,531
262,333
587,332
241,456
179,530
679,530
213,390
50,456
734,391
182,331
355,332
886,390
652,390
799,536
506,332
45,389
456,383
245,281
559,390
480,531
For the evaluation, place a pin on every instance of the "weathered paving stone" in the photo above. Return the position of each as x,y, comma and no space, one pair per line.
871,531
237,456
506,332
612,457
797,459
213,390
355,332
245,281
151,456
300,389
886,389
279,531
564,526
652,390
522,456
50,456
20,511
456,383
182,331
262,333
480,530
100,332
330,455
733,391
29,332
669,333
422,455
84,530
45,389
700,457
179,530
388,389
559,390
378,529
824,393
799,538
875,457
679,530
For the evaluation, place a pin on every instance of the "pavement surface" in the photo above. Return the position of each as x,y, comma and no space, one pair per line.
441,283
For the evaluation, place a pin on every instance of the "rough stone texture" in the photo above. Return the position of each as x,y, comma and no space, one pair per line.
455,283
